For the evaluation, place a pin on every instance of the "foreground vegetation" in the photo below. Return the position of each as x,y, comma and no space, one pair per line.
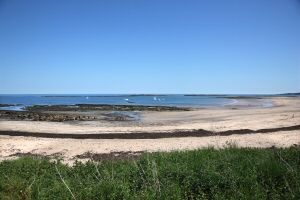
229,173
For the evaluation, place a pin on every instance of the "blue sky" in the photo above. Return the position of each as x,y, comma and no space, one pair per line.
107,47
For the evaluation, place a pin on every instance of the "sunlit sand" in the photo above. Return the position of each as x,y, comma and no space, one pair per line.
285,113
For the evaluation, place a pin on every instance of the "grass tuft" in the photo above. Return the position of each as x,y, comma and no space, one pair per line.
229,173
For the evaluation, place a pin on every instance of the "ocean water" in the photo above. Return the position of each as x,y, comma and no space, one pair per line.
21,101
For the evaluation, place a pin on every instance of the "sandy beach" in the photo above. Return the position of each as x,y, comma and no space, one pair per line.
244,124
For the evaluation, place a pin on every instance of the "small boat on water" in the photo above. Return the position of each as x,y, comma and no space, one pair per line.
127,100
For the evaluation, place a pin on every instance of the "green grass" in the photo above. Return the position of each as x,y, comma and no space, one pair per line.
230,173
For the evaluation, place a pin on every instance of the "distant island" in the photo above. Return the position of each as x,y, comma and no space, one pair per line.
93,96
291,94
208,95
244,96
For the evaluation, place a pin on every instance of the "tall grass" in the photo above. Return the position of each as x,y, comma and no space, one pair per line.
230,173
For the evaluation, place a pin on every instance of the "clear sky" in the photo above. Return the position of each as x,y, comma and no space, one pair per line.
165,46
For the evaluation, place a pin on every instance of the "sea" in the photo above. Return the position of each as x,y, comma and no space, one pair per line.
20,101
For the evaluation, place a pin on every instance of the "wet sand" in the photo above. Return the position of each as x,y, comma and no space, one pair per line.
245,124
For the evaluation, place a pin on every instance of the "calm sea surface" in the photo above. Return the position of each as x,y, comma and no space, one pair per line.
159,100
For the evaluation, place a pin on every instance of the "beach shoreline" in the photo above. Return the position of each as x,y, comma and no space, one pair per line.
267,127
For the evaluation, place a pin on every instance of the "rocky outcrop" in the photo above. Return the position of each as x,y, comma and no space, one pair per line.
57,113
35,116
104,107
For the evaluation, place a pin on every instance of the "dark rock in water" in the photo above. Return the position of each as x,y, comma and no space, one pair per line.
38,112
105,107
9,105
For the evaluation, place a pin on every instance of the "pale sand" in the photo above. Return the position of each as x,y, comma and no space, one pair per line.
285,113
